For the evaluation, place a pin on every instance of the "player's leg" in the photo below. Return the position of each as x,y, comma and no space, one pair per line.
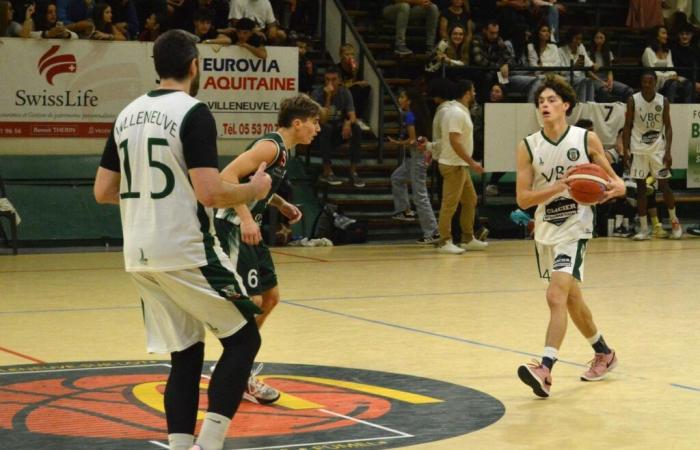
639,171
669,199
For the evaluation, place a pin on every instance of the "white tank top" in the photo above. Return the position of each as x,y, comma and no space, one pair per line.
165,228
648,125
559,219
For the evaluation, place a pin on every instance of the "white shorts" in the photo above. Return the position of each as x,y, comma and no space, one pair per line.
566,257
178,305
652,164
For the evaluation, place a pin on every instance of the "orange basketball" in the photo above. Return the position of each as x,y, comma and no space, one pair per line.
587,183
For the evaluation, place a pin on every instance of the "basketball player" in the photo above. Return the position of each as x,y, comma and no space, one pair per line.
647,140
562,226
238,228
164,143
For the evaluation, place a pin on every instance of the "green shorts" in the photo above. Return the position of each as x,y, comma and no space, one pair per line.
253,262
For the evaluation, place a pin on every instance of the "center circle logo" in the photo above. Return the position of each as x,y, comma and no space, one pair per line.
119,405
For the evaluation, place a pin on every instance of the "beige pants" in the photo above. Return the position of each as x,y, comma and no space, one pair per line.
457,188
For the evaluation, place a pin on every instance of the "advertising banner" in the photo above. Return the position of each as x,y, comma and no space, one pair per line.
693,179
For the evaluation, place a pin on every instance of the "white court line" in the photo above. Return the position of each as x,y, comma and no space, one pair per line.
83,368
364,422
159,444
323,443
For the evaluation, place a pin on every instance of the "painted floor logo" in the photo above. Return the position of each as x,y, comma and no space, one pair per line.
119,405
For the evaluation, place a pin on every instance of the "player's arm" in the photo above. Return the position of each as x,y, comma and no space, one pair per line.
668,130
287,209
627,131
616,187
525,196
106,189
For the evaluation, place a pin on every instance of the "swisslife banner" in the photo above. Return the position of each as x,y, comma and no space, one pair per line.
69,89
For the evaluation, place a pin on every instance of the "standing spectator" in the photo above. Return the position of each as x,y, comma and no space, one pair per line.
415,123
170,187
658,54
551,9
307,69
644,14
647,139
490,50
124,17
204,30
456,148
605,85
402,11
686,56
573,52
338,124
261,12
104,28
457,13
491,190
244,36
153,27
352,79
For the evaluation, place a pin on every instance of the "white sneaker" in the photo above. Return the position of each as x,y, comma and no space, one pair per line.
676,229
642,236
363,126
449,247
474,245
491,190
259,392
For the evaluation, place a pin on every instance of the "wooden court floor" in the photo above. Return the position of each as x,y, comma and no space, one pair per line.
469,320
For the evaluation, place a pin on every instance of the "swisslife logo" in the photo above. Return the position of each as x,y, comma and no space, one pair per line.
51,64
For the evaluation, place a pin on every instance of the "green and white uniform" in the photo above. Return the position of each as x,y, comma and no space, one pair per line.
648,138
254,262
562,226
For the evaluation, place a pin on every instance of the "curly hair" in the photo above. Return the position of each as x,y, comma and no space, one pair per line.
561,87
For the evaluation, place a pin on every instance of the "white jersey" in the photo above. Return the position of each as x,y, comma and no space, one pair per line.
648,126
165,228
559,219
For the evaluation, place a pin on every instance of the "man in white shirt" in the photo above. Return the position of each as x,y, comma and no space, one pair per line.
456,148
261,12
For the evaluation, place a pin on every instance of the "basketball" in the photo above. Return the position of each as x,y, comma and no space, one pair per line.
587,183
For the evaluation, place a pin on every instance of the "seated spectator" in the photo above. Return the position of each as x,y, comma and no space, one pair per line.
457,51
490,50
204,30
9,27
46,24
104,28
573,52
403,11
658,54
243,36
644,14
551,10
261,13
352,79
491,190
542,52
606,87
307,69
338,124
686,56
457,13
153,27
76,15
514,16
124,17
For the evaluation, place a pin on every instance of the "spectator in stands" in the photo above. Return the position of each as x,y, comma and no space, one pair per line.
456,53
124,17
307,69
415,123
401,11
153,26
261,12
686,57
46,23
658,54
104,28
644,14
457,13
352,79
456,148
9,27
572,52
495,96
542,52
606,87
220,9
551,9
76,15
204,30
514,17
338,124
490,50
245,36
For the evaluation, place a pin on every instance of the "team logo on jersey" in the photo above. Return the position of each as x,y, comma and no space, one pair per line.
561,262
230,291
56,64
120,405
573,154
558,210
659,108
650,137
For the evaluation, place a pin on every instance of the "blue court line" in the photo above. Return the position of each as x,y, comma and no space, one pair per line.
466,341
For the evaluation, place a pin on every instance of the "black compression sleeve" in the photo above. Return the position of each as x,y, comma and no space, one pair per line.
198,136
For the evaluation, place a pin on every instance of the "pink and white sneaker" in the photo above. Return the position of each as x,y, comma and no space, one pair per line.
676,229
599,367
537,376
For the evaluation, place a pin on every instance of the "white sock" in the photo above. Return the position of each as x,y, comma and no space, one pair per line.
550,352
593,339
672,214
618,220
180,441
643,224
213,432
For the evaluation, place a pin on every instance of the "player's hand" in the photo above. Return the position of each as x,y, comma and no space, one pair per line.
261,182
668,160
250,232
615,188
291,212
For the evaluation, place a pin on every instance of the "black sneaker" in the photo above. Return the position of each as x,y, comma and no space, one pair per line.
622,231
403,217
330,179
357,181
434,239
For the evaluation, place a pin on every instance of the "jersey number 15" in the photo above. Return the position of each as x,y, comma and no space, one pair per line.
157,165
